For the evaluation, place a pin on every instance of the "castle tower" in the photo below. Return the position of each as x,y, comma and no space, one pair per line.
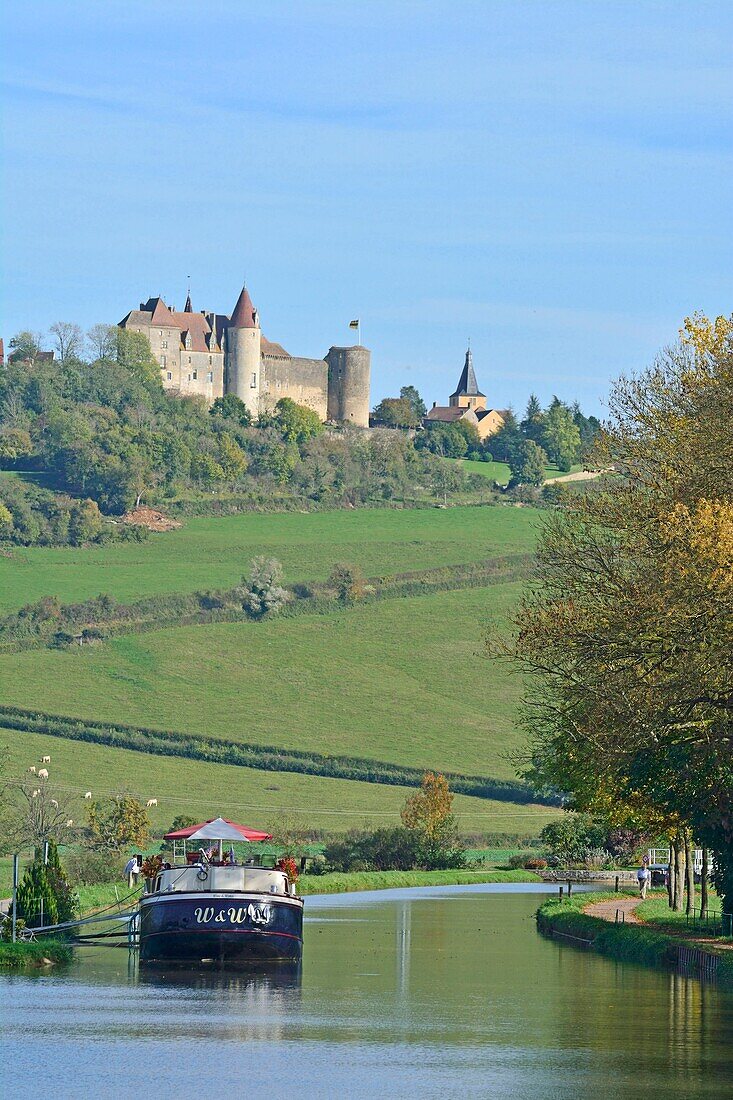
467,394
348,385
243,353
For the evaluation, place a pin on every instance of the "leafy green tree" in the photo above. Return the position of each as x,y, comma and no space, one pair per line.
533,425
232,407
14,442
628,630
261,591
347,581
429,814
396,412
419,409
232,458
297,423
118,823
527,464
560,435
35,899
135,355
571,835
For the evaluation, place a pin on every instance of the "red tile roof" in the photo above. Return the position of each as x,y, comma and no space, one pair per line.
244,315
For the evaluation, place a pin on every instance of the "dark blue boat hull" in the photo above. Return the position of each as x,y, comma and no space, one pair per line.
220,928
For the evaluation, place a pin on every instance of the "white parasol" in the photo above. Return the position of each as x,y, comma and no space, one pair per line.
220,830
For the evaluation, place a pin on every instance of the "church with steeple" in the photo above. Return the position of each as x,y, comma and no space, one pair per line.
209,354
467,404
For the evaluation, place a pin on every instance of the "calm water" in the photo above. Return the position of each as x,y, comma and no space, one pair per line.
443,992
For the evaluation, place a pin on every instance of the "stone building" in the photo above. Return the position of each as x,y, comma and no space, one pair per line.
211,354
467,403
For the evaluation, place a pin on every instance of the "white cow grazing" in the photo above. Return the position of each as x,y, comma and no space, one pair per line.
43,773
35,794
151,802
69,823
45,759
54,803
88,794
32,768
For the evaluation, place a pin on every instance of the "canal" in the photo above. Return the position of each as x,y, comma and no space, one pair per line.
442,992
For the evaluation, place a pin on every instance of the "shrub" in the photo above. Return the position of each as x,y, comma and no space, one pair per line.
90,868
535,864
395,849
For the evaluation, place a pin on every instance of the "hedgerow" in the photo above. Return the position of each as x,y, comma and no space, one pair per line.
263,757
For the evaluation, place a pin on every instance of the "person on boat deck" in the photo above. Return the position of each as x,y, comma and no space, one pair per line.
231,858
132,870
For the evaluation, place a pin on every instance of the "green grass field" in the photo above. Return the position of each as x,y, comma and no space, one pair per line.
499,471
258,798
401,680
210,552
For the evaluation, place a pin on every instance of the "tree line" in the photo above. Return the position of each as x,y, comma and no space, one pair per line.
627,631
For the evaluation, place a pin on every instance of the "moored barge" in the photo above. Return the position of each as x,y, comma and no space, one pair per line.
216,910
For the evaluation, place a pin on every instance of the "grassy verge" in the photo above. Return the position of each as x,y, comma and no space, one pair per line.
24,956
637,943
337,883
99,897
655,912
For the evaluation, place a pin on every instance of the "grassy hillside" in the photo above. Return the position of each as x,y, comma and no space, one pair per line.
499,471
213,552
401,681
259,798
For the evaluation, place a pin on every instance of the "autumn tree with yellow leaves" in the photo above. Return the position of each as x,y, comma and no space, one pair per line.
627,632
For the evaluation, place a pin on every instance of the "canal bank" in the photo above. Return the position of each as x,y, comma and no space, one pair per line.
37,955
624,940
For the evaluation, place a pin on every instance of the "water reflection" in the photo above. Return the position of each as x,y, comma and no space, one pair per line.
452,994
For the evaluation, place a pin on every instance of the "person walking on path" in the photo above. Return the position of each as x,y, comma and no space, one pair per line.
643,877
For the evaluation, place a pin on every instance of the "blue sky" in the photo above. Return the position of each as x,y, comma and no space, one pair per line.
551,179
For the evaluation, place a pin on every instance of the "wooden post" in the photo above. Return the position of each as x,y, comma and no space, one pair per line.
616,886
560,893
704,882
570,887
15,895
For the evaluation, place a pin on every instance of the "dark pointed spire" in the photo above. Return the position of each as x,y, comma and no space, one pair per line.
467,385
245,314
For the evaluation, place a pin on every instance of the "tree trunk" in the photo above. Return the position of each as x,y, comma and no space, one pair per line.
704,883
690,877
670,876
678,874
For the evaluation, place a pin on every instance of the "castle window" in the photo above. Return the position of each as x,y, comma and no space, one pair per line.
210,360
189,377
169,376
210,376
164,343
253,383
189,358
163,360
195,375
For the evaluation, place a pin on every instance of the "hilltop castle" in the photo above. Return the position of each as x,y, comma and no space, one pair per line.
467,403
210,354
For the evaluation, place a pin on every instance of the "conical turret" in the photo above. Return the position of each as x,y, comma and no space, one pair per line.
244,314
244,352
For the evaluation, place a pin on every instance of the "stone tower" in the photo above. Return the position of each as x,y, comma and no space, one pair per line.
244,353
467,394
348,385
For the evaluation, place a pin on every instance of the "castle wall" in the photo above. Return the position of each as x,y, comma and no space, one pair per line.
304,381
202,373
